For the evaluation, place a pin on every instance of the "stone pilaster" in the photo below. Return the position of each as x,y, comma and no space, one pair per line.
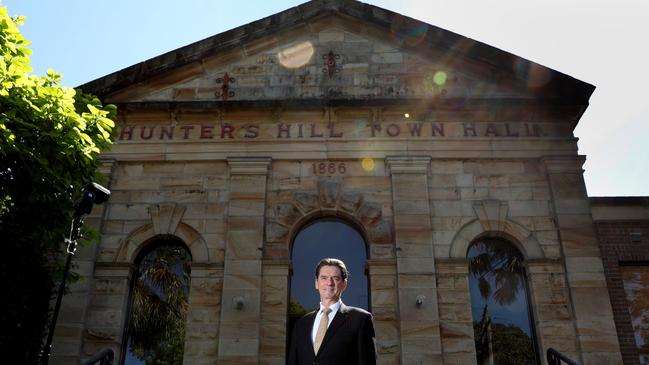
456,325
239,329
274,307
552,314
385,309
71,324
202,323
590,303
106,316
418,307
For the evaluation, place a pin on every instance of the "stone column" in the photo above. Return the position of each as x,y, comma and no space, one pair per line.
591,306
418,310
239,328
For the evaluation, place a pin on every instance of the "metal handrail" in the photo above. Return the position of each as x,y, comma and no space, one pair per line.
104,357
554,357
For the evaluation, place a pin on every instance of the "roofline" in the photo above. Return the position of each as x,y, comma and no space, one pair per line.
405,102
562,86
620,200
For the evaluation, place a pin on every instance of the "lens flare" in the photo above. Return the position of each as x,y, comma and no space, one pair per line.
533,74
296,56
433,81
367,164
440,78
410,32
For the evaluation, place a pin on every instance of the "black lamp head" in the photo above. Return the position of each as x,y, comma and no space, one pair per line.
93,193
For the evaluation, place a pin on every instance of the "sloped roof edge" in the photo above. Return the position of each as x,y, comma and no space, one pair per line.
562,89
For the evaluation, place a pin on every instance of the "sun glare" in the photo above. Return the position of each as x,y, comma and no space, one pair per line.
367,164
296,56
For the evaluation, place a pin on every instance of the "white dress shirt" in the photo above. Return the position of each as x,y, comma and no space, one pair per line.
334,309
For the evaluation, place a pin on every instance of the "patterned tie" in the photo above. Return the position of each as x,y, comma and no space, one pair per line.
322,329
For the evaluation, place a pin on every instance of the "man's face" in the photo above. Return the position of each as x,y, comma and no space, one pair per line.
330,284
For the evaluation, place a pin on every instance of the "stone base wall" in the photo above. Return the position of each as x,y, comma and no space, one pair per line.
419,215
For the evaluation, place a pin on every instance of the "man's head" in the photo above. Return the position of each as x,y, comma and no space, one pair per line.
330,280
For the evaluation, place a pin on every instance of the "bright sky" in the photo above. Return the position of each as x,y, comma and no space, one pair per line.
602,42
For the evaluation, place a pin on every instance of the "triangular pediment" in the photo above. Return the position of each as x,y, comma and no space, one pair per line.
337,50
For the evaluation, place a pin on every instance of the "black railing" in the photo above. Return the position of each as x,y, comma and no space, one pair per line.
556,358
103,357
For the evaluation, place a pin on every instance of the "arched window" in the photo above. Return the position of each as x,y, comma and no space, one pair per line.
155,333
502,321
326,238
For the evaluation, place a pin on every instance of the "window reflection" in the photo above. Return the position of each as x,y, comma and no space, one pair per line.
636,288
159,303
326,238
502,323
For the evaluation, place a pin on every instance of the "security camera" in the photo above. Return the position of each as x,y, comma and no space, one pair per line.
93,193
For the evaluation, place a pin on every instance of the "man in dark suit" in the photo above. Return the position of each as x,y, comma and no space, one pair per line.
336,334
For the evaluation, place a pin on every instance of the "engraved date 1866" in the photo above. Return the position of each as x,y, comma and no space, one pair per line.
328,168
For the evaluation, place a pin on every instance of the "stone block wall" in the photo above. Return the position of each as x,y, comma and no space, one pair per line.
419,215
238,207
186,200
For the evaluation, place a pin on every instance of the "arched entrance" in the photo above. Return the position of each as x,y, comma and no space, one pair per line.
326,237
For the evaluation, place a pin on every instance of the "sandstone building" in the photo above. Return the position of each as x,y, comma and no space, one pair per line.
433,148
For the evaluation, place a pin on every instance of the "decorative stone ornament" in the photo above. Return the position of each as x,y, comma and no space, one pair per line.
330,66
225,92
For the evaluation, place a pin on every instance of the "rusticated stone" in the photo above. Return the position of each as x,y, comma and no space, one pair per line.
307,201
328,192
275,232
381,251
369,213
381,233
100,335
350,202
286,213
385,347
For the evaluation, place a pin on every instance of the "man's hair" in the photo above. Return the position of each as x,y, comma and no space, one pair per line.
332,262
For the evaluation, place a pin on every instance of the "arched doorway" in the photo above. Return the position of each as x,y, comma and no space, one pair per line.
326,237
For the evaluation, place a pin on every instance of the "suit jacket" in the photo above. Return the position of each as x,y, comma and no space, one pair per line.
348,340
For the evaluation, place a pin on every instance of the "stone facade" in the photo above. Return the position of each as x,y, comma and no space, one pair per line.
421,138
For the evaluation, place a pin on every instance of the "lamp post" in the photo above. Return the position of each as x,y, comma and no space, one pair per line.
93,194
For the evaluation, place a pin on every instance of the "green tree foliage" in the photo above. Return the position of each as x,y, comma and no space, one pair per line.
156,330
508,344
297,309
50,136
498,269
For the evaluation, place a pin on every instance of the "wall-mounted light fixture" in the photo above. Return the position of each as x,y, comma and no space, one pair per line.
238,302
420,300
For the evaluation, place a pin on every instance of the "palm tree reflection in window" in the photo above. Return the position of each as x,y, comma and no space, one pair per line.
499,303
160,292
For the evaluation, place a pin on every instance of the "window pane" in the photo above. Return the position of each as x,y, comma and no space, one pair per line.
636,287
159,303
499,304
